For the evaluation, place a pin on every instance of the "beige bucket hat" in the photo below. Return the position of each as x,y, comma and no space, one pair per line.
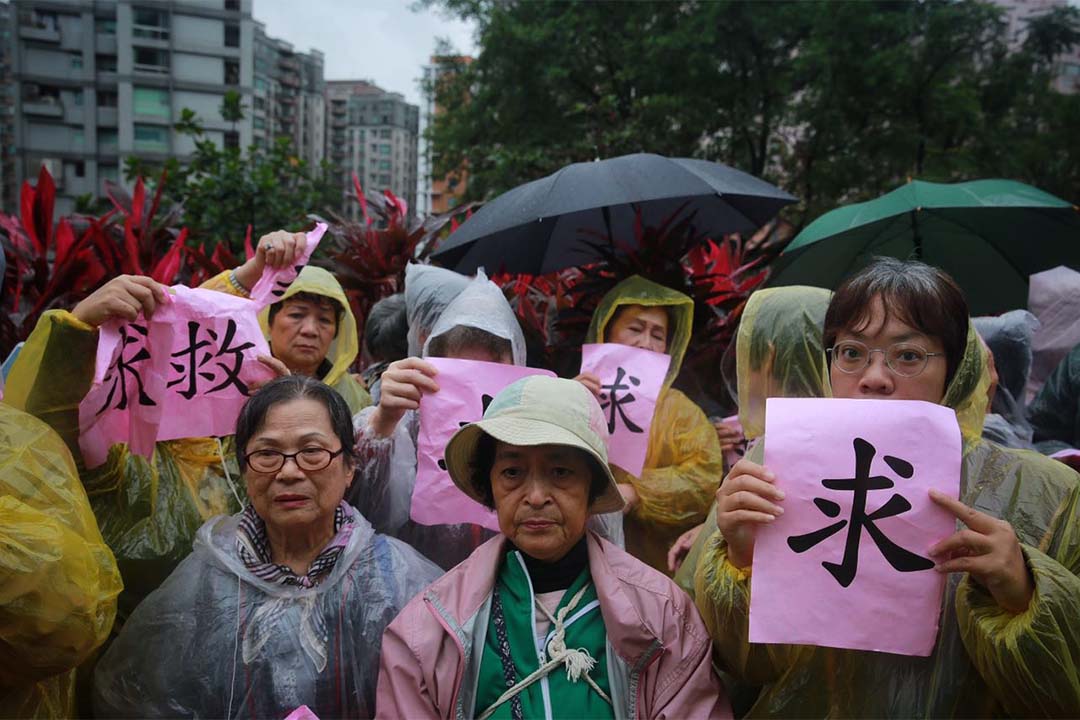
538,410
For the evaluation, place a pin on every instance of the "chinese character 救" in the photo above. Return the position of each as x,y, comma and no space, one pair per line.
191,363
899,558
611,399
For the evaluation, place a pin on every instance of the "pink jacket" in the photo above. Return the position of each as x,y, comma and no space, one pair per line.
659,652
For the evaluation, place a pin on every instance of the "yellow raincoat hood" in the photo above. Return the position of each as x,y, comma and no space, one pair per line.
346,345
636,290
779,350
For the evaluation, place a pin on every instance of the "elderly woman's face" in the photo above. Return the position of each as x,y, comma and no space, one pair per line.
876,380
541,497
641,327
293,497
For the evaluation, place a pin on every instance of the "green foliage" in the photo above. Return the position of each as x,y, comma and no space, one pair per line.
837,101
224,190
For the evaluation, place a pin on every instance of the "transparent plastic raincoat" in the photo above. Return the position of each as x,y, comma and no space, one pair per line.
778,348
684,463
148,510
1009,336
58,579
1055,412
386,471
217,642
346,344
987,662
428,291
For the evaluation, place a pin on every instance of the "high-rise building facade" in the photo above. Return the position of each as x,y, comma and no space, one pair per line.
99,81
373,133
438,194
289,97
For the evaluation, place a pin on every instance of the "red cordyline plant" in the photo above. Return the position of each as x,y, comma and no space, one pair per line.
369,256
56,265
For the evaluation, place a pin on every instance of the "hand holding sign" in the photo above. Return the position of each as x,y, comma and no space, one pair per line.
122,298
276,278
857,524
989,551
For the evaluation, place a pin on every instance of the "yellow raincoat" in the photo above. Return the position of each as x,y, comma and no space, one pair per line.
346,344
684,464
778,353
148,510
987,662
58,580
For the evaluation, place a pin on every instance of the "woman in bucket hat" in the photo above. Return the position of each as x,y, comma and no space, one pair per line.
546,619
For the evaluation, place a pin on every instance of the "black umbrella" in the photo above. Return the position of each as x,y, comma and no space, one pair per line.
553,223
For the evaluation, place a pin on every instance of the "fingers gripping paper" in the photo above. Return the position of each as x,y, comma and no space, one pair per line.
182,373
275,281
466,388
630,383
846,564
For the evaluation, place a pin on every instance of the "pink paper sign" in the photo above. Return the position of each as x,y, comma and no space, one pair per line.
302,713
846,565
631,380
182,373
466,388
274,282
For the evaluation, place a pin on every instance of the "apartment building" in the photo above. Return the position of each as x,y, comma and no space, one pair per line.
289,97
99,80
373,133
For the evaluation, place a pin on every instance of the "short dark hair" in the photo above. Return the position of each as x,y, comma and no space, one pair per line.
321,301
480,476
386,330
465,337
291,387
921,296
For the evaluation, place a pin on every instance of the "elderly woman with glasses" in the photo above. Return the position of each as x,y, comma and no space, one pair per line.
281,605
1009,638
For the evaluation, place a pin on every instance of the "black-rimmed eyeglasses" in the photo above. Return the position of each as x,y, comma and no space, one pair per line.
270,461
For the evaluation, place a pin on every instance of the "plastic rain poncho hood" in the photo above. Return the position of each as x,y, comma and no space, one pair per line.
215,641
428,291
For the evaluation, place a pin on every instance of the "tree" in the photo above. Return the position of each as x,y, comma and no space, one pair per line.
835,101
223,191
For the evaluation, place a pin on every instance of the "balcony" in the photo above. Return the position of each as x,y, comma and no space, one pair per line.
107,116
157,70
150,32
45,107
41,33
105,43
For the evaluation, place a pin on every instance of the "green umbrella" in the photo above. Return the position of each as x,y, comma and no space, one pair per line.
990,235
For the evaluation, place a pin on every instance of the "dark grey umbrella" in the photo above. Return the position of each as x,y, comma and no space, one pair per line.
548,224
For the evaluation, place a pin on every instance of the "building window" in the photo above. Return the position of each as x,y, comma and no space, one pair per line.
151,60
105,63
78,95
77,139
150,138
107,139
258,123
150,23
105,26
232,5
261,84
384,133
385,149
108,172
153,102
232,139
106,98
232,72
384,180
232,35
76,61
384,165
80,168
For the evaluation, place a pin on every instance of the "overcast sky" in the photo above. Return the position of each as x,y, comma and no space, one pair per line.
380,40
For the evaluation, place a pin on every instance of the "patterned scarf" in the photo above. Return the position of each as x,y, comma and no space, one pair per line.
253,546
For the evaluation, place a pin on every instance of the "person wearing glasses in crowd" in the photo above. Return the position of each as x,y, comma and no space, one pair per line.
281,605
1009,638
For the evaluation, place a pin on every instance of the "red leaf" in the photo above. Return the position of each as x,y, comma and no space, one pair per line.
166,269
132,265
249,252
138,198
360,196
154,205
65,239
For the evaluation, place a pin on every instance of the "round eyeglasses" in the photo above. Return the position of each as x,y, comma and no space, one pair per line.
904,359
270,461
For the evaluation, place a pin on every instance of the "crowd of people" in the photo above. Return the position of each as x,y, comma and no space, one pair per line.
251,575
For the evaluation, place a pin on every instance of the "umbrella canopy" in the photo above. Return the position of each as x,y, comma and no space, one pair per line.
547,225
990,235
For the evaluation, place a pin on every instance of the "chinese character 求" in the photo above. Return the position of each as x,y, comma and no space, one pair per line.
610,398
124,367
